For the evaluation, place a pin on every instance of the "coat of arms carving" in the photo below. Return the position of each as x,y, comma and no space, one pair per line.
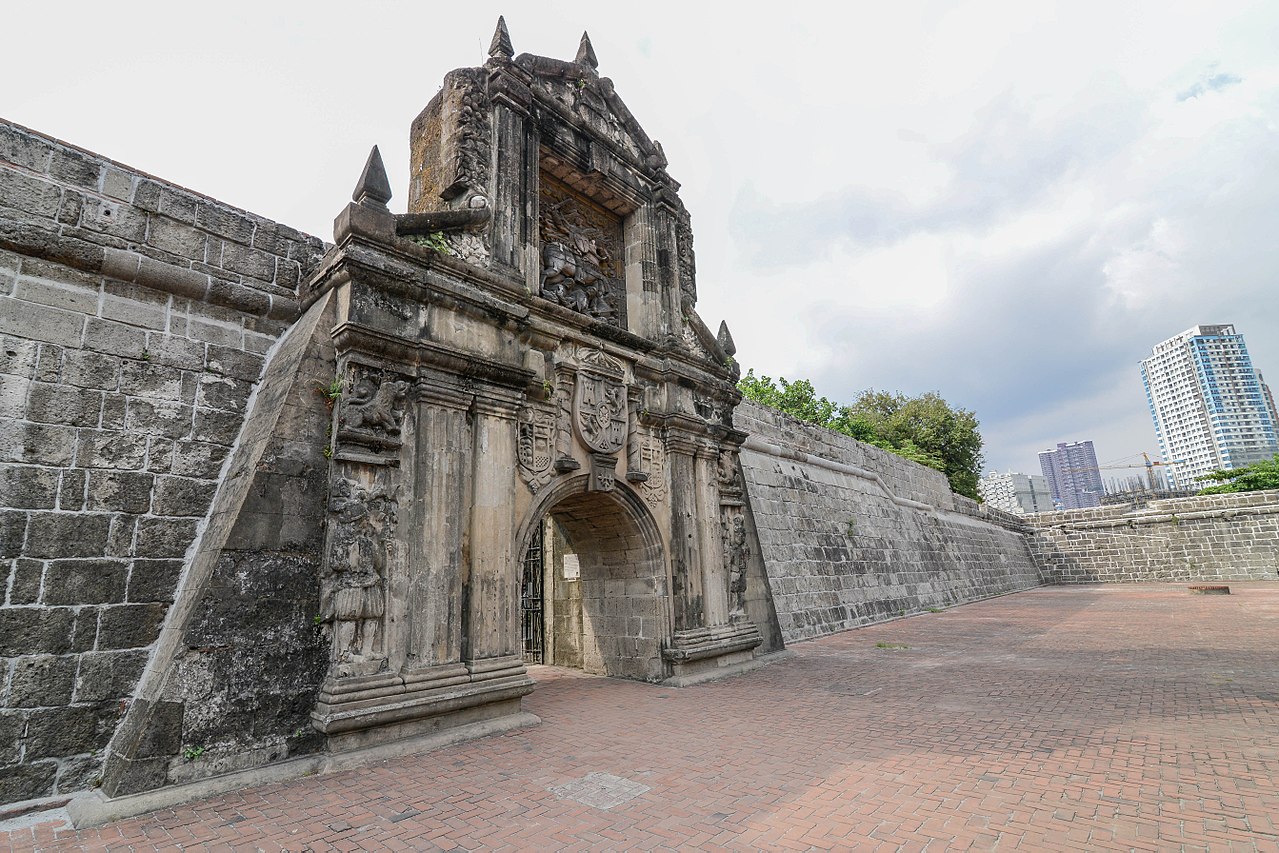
536,447
600,404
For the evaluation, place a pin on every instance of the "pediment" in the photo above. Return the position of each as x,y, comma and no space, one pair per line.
578,95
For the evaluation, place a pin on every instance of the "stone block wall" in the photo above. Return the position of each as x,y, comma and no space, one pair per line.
134,319
1209,538
851,534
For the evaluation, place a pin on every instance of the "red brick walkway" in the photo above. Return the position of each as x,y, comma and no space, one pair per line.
1134,718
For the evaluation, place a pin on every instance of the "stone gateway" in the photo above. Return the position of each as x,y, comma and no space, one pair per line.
270,506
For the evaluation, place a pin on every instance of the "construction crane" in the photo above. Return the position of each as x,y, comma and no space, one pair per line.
1149,465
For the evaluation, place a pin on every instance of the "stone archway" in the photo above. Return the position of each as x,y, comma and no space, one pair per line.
606,604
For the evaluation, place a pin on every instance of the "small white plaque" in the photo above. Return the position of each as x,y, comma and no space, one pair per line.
572,568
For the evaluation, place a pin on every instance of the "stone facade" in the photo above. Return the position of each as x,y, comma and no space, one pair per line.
135,318
263,499
1212,538
851,534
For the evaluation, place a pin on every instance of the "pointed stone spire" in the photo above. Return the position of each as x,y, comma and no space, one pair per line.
373,189
725,338
500,47
586,53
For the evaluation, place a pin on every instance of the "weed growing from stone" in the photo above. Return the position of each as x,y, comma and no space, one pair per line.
893,646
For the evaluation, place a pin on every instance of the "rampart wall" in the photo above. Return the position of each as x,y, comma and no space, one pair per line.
134,317
852,534
1214,537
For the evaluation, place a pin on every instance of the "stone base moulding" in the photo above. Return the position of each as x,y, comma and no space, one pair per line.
704,654
357,713
94,808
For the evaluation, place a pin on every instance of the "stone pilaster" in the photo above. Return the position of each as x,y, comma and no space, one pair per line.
715,581
686,553
443,454
491,588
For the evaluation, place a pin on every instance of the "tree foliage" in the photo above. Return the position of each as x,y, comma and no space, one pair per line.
924,429
1251,478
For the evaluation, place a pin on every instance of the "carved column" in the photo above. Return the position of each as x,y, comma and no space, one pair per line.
443,458
492,582
733,523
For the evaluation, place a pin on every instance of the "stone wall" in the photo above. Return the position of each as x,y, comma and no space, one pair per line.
134,318
851,534
1214,537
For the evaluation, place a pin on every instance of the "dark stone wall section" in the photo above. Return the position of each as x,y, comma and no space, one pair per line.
134,319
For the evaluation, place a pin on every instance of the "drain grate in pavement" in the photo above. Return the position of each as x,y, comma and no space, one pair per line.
599,790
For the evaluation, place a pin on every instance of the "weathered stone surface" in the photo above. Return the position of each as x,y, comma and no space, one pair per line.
27,781
168,418
29,487
183,496
12,725
36,630
198,459
41,681
64,535
129,626
27,575
153,580
42,444
108,675
111,449
120,491
164,537
73,582
70,731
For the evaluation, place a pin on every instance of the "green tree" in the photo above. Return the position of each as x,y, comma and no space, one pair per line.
1252,478
930,426
923,429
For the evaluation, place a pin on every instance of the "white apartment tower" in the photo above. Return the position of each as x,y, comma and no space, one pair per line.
1208,404
1016,493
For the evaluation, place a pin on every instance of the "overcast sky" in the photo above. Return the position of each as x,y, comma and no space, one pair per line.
1006,203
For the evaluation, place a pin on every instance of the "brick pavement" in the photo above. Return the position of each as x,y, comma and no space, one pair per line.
1120,717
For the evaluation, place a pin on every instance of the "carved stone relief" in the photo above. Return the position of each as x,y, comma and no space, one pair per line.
581,247
362,522
536,450
372,414
471,143
687,260
736,555
652,457
601,411
732,493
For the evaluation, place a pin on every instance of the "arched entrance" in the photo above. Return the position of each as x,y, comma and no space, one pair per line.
595,586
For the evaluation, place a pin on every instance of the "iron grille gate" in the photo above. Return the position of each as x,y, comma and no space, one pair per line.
531,602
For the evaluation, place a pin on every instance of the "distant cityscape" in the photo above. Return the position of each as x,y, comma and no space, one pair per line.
1211,410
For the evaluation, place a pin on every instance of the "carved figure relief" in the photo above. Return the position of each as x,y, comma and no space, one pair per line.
360,541
373,409
736,554
581,248
536,450
730,477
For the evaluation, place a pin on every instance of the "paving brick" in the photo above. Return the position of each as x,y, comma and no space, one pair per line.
1055,719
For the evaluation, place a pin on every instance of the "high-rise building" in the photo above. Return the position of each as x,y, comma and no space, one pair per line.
1016,493
1208,404
1074,480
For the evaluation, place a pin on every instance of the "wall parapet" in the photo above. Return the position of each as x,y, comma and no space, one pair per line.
64,204
1208,537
